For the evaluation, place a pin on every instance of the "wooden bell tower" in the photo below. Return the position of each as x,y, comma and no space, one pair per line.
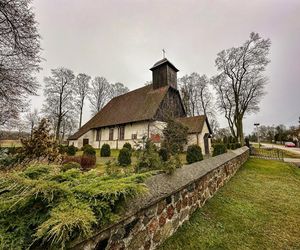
164,73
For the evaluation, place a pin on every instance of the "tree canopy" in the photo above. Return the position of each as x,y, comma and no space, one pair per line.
240,82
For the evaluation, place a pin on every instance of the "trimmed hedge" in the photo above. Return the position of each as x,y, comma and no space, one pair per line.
233,145
105,150
219,149
124,157
164,154
193,154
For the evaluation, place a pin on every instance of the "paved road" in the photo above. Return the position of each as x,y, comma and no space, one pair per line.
293,150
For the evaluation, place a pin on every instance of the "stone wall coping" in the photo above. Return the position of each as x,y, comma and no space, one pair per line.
163,185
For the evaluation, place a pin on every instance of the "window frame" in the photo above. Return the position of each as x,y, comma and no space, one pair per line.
111,134
122,132
98,134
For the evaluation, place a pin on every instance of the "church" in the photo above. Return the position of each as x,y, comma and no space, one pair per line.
142,113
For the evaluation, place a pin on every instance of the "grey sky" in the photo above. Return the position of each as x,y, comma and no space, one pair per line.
121,40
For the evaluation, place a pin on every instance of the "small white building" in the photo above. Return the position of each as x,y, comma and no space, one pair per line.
142,113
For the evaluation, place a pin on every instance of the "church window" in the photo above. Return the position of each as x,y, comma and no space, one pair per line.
98,135
122,132
111,134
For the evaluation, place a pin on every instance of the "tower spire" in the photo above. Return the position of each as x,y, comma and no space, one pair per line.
164,53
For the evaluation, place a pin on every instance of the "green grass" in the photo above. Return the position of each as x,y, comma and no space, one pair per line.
100,161
259,208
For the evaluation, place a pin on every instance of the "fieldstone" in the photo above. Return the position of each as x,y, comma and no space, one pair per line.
184,202
190,201
150,212
184,214
178,206
176,197
166,231
131,227
157,236
117,246
170,212
183,193
118,235
175,223
162,219
161,206
153,225
147,245
138,240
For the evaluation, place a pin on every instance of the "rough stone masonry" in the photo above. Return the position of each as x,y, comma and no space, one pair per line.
170,200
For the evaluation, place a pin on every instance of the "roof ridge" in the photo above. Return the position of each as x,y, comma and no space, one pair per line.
131,91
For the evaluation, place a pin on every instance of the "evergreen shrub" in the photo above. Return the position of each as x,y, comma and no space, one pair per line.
70,165
164,154
124,157
105,150
71,150
193,154
127,145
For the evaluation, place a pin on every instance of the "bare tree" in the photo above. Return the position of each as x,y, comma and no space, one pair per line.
100,94
19,57
82,90
68,125
240,83
118,89
59,93
32,118
196,96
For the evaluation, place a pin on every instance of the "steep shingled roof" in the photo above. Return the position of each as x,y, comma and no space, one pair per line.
137,105
195,123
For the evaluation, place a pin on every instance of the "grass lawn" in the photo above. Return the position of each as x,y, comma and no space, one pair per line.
259,208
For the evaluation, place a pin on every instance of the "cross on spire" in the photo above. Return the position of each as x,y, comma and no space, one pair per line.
164,53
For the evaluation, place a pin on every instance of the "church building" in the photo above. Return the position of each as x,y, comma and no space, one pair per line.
142,113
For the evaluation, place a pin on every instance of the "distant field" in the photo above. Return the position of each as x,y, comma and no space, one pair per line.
10,143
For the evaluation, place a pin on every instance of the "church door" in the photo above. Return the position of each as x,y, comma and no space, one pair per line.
85,141
206,144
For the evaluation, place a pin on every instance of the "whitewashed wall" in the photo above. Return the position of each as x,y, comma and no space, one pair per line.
139,128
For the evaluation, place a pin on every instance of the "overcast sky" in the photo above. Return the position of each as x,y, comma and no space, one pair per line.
121,40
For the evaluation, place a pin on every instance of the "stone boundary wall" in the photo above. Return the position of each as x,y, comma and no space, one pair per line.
170,200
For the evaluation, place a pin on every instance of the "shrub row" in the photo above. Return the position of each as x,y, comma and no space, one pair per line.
233,145
219,149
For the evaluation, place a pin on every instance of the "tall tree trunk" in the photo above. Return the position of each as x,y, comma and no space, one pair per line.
58,128
80,117
239,129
